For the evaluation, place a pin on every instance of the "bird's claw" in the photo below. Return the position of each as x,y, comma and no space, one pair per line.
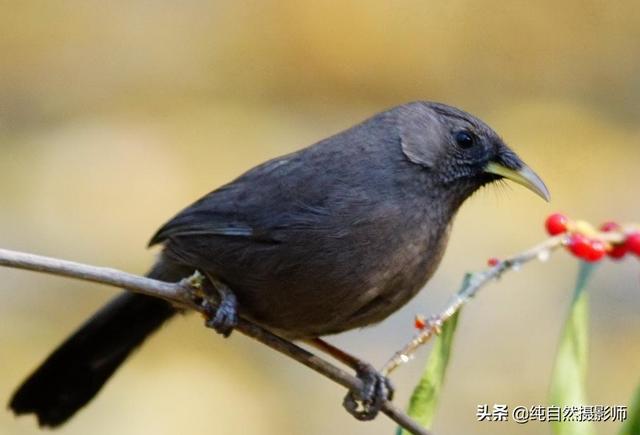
223,317
365,403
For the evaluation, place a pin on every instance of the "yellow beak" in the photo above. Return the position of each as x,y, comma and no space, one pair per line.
524,176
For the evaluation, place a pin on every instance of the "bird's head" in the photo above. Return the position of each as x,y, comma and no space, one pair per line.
462,152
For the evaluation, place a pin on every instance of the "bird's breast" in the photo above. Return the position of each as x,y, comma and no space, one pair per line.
405,272
361,284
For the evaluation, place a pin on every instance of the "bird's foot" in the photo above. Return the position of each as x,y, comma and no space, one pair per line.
223,316
365,403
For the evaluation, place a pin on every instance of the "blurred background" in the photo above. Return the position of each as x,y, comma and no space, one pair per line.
115,115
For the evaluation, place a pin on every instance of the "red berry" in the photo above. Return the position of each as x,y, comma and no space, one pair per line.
585,248
633,243
618,251
579,245
610,226
493,261
597,250
556,224
419,322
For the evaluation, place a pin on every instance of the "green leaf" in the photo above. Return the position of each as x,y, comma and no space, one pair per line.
632,425
568,383
424,400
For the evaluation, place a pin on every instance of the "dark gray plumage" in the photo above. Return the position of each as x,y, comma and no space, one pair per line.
335,236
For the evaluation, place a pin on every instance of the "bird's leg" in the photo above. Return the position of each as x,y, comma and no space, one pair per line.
223,316
366,402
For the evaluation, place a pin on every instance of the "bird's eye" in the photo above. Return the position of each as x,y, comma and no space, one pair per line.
465,139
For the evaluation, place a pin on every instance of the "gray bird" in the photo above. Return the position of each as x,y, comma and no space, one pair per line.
336,236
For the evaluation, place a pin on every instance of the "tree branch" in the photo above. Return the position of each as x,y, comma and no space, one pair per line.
183,293
473,282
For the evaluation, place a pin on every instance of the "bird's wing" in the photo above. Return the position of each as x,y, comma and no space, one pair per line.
260,205
193,221
324,188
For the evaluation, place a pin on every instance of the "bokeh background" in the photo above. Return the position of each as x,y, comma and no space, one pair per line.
115,115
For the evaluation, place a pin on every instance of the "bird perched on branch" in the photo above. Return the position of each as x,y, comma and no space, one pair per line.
336,236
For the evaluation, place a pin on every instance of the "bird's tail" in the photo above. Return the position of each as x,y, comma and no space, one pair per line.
74,373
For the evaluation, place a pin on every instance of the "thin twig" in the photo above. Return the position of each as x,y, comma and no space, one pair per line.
182,293
473,283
